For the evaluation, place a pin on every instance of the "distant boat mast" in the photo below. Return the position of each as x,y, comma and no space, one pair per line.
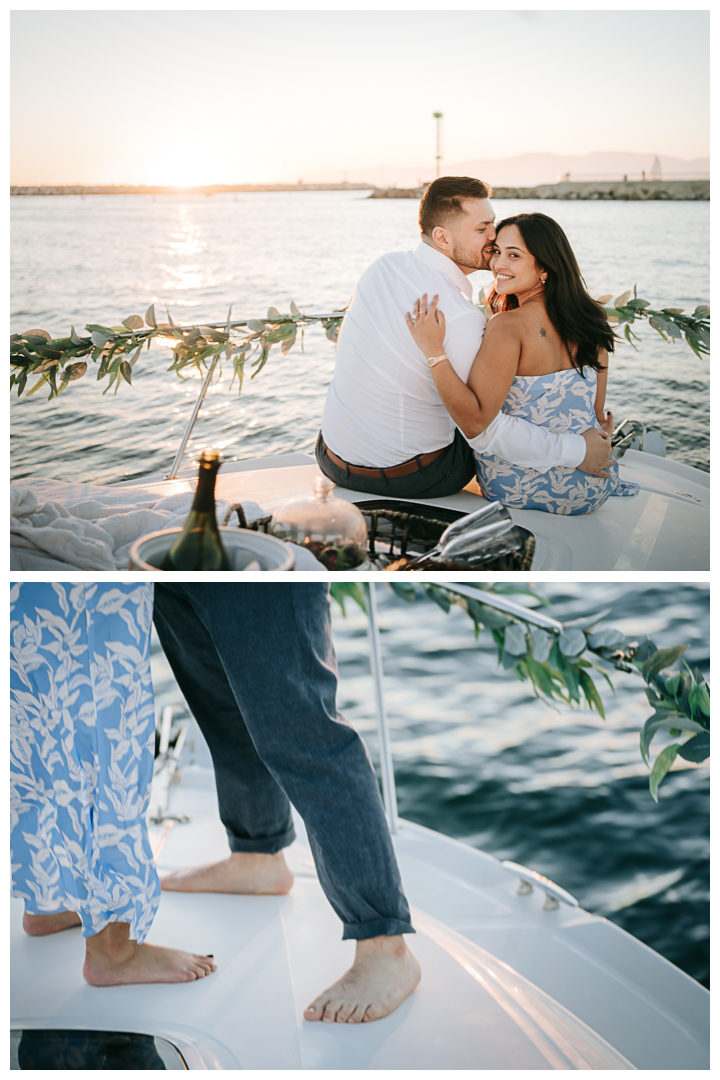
655,169
438,153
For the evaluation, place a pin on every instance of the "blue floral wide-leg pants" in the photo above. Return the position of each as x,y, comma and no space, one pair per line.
82,749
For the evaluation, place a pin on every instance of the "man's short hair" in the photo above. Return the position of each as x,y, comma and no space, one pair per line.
443,199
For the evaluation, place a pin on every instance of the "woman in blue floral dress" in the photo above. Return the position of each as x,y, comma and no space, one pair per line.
544,358
81,765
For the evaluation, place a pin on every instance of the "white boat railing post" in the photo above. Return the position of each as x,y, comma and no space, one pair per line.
218,326
386,764
191,422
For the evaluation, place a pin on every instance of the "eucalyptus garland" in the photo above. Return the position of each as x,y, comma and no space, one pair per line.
672,324
116,349
559,666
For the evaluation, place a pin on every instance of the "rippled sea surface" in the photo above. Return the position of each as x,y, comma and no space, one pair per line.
478,757
100,258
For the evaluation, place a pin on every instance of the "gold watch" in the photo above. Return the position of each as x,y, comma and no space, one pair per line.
433,360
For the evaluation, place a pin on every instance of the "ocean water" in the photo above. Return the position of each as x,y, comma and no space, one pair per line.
80,259
564,792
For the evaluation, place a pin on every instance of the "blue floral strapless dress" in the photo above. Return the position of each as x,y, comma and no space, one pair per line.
564,402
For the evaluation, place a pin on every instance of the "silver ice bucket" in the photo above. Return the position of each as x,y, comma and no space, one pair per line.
242,546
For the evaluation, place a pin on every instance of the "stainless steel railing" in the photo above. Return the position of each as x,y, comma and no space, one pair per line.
499,603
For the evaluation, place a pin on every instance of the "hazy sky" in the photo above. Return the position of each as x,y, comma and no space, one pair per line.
189,97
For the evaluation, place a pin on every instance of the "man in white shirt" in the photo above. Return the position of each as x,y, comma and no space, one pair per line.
384,428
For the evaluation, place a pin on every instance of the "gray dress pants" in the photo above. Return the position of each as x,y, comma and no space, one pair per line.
256,665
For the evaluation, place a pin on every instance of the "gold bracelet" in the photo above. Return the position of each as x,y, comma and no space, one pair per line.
433,360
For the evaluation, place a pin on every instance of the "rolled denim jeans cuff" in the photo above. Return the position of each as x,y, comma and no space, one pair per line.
268,845
364,930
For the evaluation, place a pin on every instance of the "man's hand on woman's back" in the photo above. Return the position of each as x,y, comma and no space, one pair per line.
598,456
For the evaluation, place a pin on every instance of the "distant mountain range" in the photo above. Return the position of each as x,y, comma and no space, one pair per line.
528,169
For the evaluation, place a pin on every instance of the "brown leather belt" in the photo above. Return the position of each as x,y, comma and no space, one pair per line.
395,470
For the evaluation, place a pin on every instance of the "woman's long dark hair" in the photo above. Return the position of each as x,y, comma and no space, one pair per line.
579,320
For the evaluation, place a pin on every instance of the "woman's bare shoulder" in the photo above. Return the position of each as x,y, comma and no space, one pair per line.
504,322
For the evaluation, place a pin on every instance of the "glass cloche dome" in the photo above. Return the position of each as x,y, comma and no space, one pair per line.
332,529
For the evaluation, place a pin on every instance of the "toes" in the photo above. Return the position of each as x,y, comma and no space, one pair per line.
374,1012
205,962
316,1010
345,1012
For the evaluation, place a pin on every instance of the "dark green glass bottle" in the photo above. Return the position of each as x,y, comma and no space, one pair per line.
199,547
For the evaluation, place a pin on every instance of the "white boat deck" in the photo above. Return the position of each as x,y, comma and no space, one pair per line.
506,984
666,526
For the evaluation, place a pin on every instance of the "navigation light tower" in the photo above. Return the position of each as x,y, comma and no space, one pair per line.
438,152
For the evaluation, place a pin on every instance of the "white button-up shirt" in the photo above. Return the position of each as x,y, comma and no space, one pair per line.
382,407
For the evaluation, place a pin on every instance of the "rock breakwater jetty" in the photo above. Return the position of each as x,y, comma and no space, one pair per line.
139,189
623,190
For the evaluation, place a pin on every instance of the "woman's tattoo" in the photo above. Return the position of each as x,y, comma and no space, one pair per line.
543,332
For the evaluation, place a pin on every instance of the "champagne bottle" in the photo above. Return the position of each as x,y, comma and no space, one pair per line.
198,547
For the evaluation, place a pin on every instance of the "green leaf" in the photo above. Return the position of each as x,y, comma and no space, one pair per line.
620,301
659,324
567,671
696,749
405,592
590,691
663,658
609,638
73,336
629,337
572,642
673,310
542,678
664,720
98,339
340,590
133,322
287,344
134,359
671,685
702,311
638,305
74,372
439,597
259,364
703,698
150,317
38,384
541,644
126,371
294,310
273,313
475,612
256,325
281,333
487,616
663,763
515,640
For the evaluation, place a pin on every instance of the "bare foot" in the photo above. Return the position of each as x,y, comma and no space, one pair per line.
39,925
242,872
112,959
385,972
